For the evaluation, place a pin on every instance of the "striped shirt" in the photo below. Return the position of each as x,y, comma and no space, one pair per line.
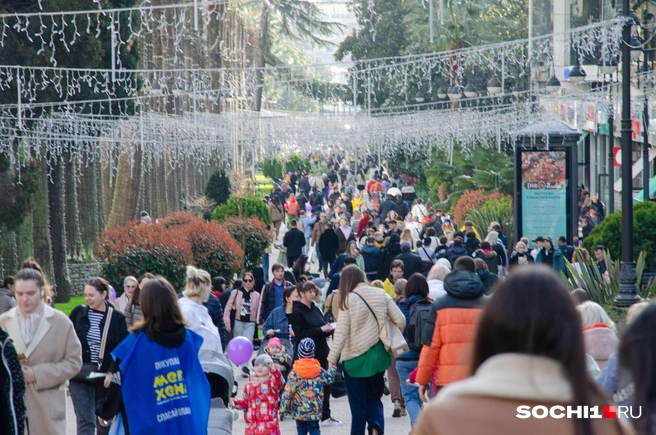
94,336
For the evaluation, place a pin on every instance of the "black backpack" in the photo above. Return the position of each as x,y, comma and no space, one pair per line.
419,313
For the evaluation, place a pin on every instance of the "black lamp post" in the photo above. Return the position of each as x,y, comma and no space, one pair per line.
608,66
628,289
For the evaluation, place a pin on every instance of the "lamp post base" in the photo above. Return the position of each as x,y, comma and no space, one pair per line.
628,289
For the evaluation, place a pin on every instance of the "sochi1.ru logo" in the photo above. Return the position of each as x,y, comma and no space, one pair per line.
558,411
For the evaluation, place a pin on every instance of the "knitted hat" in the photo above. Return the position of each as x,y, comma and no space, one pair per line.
262,360
275,341
306,348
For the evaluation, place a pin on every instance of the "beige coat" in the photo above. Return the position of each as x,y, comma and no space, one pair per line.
55,355
357,330
487,402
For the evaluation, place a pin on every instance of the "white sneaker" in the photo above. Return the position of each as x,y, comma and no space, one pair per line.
332,422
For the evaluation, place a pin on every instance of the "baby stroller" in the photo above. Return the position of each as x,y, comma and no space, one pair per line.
222,386
285,342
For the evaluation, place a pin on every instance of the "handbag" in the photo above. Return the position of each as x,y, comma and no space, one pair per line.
398,346
88,368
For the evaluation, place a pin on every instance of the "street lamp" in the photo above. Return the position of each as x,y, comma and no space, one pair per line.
553,85
628,291
636,47
577,74
454,93
470,91
494,86
441,93
419,98
608,66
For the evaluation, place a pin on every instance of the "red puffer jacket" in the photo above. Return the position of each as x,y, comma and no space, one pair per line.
451,332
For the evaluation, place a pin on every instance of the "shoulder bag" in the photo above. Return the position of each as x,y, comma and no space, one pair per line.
398,346
88,368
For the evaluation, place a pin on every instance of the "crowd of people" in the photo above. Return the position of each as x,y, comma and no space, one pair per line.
404,308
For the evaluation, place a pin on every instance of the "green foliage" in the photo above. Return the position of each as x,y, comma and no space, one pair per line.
17,191
495,210
609,234
252,235
68,307
297,163
218,187
272,168
252,206
170,265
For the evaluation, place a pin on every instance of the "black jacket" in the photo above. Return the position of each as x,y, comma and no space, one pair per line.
488,279
304,185
268,300
12,389
455,252
316,198
371,255
343,241
440,252
118,330
307,322
302,200
401,209
328,245
436,224
411,263
472,244
215,310
389,254
294,241
385,207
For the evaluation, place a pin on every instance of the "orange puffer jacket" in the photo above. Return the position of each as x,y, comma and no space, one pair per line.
448,338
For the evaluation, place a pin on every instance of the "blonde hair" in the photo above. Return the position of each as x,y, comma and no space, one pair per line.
198,283
593,313
377,283
406,235
635,310
492,237
438,272
520,245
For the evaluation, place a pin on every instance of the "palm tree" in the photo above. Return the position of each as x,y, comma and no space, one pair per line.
283,20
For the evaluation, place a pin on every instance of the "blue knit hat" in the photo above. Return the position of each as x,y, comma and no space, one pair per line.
306,348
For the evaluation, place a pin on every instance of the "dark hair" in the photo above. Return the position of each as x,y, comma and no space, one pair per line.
599,248
306,286
443,240
416,286
236,284
430,232
218,283
465,263
287,292
496,228
299,265
100,284
135,296
562,239
350,260
471,235
371,240
159,304
419,244
457,243
277,266
292,223
468,224
427,241
9,280
531,313
579,296
397,263
486,245
637,352
275,199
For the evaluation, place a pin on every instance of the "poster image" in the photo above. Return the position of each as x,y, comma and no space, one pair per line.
544,194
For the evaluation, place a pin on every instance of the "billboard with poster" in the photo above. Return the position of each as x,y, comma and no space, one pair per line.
544,193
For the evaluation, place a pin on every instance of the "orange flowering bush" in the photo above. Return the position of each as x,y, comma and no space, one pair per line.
472,199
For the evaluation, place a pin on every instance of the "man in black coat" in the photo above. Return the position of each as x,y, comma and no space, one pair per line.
301,199
411,262
316,198
294,241
328,247
385,207
400,207
304,183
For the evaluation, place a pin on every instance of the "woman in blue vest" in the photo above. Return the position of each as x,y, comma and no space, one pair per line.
160,386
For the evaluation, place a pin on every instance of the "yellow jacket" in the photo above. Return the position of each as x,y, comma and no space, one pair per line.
389,288
478,236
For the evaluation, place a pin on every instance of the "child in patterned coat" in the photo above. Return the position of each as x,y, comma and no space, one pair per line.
303,394
260,400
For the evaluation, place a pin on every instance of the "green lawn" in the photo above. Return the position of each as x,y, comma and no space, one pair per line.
68,306
265,184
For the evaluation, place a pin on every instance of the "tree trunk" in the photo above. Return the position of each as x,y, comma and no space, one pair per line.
126,193
87,199
263,48
8,252
25,240
57,202
41,223
73,236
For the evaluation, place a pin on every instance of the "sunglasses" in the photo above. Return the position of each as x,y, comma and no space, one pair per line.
247,280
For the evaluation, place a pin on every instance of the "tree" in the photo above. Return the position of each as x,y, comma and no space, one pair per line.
284,20
218,188
272,168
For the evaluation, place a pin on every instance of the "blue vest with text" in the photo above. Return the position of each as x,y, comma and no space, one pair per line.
164,390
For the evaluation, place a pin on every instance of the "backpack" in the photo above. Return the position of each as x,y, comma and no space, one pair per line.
418,319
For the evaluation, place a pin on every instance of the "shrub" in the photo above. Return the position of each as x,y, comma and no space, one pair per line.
609,234
297,163
137,249
167,248
494,210
252,235
218,188
252,206
470,200
272,168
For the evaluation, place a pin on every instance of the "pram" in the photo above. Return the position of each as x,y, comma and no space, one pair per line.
219,373
285,342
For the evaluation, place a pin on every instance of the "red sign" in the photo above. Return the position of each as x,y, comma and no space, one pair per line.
617,156
635,127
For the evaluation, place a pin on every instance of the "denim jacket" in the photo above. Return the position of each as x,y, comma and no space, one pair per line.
277,320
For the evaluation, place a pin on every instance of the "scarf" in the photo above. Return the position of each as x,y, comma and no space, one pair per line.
29,323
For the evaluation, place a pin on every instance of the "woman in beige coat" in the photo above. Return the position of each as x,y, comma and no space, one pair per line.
49,350
360,342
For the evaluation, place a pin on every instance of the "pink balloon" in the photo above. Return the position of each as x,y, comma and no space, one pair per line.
240,350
